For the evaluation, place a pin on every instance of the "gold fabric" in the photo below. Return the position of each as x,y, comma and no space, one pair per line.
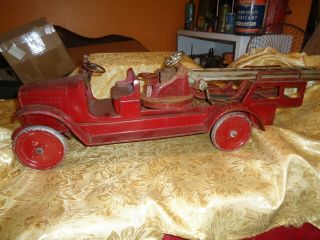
270,56
181,186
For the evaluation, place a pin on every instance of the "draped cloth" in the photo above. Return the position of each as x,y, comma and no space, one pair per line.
270,56
181,186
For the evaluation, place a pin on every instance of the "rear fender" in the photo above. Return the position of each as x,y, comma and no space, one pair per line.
38,109
255,120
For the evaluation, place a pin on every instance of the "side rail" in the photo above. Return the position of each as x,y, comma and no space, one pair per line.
199,77
281,88
289,74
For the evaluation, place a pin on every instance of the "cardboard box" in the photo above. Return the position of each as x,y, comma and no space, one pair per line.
36,52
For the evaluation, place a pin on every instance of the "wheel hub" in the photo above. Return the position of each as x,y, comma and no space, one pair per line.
39,151
233,133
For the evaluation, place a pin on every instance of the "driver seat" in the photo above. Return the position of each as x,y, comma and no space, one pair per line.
173,92
126,95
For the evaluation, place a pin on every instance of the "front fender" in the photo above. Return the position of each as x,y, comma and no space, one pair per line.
44,110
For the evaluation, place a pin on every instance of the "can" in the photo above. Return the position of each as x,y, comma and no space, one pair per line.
230,21
250,16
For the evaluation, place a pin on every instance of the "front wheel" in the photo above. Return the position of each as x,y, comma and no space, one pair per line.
39,147
231,131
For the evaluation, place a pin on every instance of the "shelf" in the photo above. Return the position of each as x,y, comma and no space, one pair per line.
197,42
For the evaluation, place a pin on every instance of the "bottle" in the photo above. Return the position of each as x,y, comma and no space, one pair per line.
224,8
189,15
275,15
206,14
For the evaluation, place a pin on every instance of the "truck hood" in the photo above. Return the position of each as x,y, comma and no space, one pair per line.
52,92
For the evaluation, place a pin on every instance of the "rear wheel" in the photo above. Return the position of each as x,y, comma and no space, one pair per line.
231,131
39,147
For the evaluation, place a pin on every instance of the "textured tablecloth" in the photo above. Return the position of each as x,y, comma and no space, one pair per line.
181,186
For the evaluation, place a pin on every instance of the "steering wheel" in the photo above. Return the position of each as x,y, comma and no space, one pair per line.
174,59
93,67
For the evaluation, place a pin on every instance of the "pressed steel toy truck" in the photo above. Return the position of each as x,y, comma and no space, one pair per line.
173,102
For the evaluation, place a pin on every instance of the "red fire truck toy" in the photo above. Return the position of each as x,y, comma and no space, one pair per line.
173,102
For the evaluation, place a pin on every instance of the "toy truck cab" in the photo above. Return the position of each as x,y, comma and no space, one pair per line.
174,102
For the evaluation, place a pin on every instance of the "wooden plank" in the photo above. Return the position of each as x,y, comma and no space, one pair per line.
313,45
